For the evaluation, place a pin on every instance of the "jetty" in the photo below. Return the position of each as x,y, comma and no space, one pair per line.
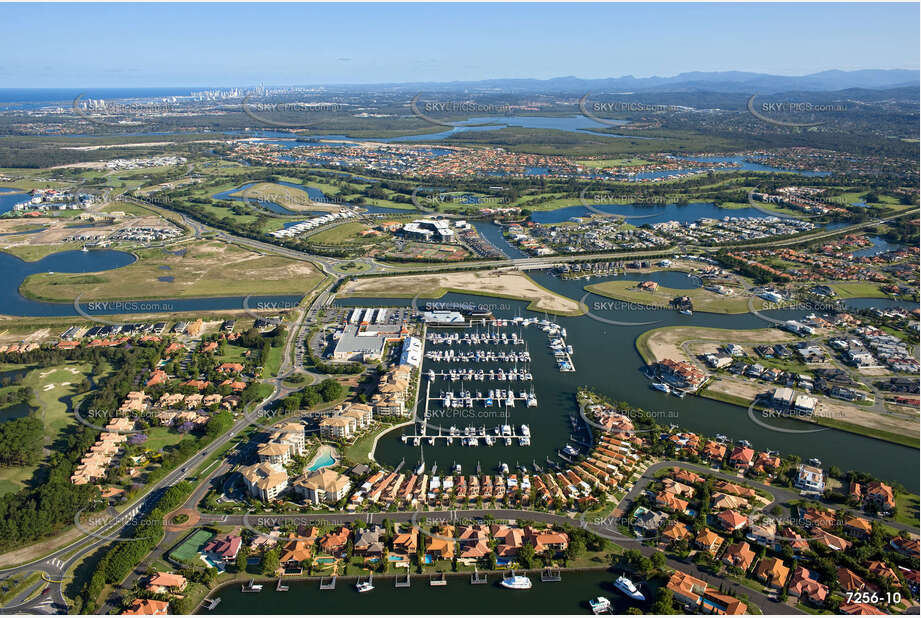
280,587
400,582
478,578
441,581
328,583
550,575
212,603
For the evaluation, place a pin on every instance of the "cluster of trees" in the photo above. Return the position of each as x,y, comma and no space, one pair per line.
121,558
21,441
310,396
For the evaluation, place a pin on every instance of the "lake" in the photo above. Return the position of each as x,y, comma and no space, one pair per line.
13,271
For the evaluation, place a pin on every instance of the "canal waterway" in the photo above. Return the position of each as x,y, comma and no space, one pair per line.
570,596
606,360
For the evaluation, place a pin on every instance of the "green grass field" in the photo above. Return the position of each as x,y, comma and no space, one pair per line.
207,268
702,300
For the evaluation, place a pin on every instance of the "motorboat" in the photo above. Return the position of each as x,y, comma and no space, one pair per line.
364,586
659,386
626,586
601,605
516,582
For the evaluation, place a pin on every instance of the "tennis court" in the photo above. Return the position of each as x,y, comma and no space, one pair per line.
188,549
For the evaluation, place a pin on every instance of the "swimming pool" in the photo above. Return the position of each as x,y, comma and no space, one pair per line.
326,560
322,461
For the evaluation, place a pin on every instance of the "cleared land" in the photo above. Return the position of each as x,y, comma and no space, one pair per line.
702,299
190,269
291,198
660,343
503,284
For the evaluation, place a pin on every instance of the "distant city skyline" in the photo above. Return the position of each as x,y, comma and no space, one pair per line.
223,45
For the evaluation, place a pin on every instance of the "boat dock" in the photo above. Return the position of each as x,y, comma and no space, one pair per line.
402,583
280,587
328,583
478,578
213,603
550,575
441,581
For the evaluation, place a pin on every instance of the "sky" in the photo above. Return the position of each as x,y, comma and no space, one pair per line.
215,44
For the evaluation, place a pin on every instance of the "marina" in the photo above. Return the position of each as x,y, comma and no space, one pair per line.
483,587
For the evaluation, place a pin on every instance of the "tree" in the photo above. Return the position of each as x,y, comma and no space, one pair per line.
526,555
657,560
664,603
270,561
241,561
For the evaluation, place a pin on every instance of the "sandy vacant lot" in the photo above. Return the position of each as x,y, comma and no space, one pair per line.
831,409
487,283
57,229
666,342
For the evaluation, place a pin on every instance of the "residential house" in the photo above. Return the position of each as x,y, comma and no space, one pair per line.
772,571
739,555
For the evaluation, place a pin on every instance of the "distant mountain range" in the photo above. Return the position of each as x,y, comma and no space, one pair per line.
721,81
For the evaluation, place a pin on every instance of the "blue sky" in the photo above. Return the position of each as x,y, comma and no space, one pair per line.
123,45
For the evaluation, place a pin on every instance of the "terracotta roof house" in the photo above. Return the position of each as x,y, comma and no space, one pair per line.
880,495
224,547
741,457
858,526
441,548
772,571
675,531
709,541
713,602
406,542
295,551
908,547
334,541
805,585
739,555
850,581
163,583
881,569
829,540
368,541
669,501
731,521
474,550
546,539
147,607
860,609
686,476
686,588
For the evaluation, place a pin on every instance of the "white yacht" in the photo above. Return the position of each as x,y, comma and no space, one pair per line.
626,586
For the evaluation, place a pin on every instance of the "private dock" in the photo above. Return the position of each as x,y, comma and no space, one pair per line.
280,587
328,583
213,603
478,578
443,581
550,575
402,583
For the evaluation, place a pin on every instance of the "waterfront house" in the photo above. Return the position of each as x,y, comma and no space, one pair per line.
368,542
147,607
223,549
880,496
741,457
295,553
441,547
686,588
810,479
166,583
406,542
334,542
715,452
